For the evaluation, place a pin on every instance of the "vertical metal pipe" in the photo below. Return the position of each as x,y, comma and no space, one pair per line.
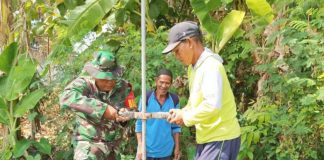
143,67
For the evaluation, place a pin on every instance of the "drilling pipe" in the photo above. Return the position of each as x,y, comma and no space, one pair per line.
139,115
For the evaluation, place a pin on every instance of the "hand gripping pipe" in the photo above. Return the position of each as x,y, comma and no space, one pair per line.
139,115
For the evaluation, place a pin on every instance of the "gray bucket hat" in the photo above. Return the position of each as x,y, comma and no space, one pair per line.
180,32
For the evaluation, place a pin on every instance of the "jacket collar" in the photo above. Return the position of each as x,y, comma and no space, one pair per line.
204,55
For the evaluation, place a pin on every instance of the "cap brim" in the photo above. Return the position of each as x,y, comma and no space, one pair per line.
94,71
170,47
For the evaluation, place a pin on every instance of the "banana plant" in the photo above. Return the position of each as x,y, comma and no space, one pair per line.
80,21
85,17
261,9
222,31
129,10
16,99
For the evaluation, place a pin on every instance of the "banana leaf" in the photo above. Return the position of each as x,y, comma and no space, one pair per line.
3,112
202,10
84,18
19,78
28,102
7,57
261,8
80,21
20,147
228,27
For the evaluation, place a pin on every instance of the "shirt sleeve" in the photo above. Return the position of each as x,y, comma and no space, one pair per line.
138,125
73,97
211,89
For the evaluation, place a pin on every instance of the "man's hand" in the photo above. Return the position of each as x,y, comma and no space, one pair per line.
120,118
110,113
176,116
177,153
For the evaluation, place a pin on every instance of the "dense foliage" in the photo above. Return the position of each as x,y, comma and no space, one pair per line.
273,52
286,121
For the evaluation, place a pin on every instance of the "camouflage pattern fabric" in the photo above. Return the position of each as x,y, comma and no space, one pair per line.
104,67
85,150
89,104
105,60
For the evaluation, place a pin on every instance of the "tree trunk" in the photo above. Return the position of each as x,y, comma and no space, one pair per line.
5,22
4,135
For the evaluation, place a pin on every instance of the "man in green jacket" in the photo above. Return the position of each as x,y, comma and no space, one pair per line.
211,105
96,96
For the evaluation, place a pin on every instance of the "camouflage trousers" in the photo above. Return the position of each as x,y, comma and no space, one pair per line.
84,150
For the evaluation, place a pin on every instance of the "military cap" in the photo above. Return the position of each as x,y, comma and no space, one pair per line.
104,66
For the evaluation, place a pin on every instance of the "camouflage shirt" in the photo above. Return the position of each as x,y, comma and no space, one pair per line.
89,104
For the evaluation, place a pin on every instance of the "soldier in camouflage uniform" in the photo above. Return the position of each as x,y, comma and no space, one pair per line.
96,96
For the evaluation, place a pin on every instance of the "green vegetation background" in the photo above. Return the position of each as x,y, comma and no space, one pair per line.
274,58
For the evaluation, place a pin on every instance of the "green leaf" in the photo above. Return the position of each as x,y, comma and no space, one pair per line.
62,9
43,146
21,147
45,71
3,104
249,139
3,85
64,154
80,21
256,137
8,56
114,43
191,151
6,154
309,99
228,27
320,93
70,4
261,8
131,5
202,10
163,7
28,102
226,1
120,17
3,112
302,130
250,154
19,78
84,18
135,19
37,157
222,32
32,116
154,10
261,119
267,118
